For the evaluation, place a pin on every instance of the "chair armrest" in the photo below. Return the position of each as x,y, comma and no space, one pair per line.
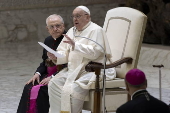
92,66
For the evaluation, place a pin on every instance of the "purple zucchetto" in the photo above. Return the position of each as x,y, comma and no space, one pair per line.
135,77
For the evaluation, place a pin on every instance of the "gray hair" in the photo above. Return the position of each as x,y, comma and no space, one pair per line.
54,15
138,86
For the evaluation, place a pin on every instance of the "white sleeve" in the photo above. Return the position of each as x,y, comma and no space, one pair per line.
92,50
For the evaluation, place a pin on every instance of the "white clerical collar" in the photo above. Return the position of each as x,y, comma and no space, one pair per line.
136,92
55,38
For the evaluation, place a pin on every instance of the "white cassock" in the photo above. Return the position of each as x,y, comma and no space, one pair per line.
68,89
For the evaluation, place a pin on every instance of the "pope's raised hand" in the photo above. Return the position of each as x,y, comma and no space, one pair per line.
69,40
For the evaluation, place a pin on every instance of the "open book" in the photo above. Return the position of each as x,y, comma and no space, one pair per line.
51,50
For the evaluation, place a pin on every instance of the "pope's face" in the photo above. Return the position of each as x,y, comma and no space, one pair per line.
55,27
80,18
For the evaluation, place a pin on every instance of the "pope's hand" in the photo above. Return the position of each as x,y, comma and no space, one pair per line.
69,40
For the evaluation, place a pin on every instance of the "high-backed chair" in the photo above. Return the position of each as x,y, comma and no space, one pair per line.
124,29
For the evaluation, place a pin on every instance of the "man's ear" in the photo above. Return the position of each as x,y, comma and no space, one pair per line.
88,17
127,86
64,26
146,83
47,28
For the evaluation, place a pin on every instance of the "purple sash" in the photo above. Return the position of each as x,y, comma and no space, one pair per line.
35,90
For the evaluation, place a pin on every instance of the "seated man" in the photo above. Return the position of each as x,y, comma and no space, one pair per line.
35,94
68,89
141,100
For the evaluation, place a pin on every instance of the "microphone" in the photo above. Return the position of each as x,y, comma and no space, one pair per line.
104,63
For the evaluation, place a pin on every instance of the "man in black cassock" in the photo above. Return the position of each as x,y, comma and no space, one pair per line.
55,27
141,101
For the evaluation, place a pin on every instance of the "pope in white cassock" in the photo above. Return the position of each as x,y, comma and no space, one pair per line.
68,89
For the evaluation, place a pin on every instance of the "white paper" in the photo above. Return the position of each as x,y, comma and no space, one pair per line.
51,50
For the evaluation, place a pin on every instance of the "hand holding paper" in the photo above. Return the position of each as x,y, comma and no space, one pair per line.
51,50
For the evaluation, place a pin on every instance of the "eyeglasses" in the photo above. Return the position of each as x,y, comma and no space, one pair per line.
57,26
77,16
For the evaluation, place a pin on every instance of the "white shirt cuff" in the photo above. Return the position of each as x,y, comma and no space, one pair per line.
38,73
52,76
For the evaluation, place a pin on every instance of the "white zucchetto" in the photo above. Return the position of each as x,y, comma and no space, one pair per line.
84,8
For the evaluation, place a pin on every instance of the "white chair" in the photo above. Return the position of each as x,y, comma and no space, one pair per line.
124,29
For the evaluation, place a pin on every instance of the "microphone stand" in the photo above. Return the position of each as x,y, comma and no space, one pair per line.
104,76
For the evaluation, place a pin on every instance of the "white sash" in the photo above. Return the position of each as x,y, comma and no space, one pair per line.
68,90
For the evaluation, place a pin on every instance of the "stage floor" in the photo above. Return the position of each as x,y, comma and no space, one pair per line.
18,62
